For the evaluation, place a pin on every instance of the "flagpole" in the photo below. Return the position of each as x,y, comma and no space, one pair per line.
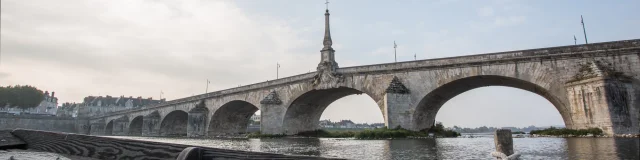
575,41
277,70
584,30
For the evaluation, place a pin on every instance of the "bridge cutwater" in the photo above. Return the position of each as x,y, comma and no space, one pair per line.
594,85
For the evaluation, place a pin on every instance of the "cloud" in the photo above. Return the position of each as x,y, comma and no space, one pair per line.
500,13
4,75
508,21
142,47
485,11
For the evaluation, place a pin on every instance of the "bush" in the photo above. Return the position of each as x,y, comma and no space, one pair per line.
567,132
384,133
440,131
326,134
378,133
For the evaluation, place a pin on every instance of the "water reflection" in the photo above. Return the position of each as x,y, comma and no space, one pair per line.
413,149
297,146
441,148
603,148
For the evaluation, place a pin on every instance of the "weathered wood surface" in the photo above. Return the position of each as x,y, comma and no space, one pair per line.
504,145
504,141
9,141
113,148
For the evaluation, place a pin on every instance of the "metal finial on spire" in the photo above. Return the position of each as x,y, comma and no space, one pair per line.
327,34
327,3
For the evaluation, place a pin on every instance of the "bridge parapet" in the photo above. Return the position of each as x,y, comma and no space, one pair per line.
498,57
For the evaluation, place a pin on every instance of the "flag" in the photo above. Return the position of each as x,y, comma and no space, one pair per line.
278,65
574,38
395,45
208,82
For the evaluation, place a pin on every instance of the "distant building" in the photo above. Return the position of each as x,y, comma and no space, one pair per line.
98,105
377,125
255,118
68,110
326,124
346,124
48,106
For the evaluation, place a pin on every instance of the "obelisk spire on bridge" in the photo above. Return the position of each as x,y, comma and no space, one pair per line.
327,58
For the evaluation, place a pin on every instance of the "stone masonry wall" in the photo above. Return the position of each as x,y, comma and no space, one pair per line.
46,123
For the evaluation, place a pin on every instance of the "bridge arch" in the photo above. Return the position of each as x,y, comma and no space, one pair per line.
426,110
304,112
232,117
174,124
135,127
108,129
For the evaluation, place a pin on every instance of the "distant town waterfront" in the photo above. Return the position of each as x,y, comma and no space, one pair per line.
432,148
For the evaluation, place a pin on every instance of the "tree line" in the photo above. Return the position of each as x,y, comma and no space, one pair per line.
20,96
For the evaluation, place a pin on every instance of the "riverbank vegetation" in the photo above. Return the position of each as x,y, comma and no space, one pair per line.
567,132
24,97
260,135
378,133
328,134
518,132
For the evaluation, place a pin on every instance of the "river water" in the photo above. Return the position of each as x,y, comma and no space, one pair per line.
439,148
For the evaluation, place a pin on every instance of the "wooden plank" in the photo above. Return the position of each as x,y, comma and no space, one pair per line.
114,148
503,141
9,141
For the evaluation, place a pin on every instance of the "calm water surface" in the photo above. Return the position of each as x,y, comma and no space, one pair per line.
440,148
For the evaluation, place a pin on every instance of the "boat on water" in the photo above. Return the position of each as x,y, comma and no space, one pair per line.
96,147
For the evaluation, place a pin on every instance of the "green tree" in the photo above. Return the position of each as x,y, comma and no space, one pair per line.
21,96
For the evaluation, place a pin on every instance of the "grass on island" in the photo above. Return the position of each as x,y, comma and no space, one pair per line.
518,132
567,132
260,135
379,133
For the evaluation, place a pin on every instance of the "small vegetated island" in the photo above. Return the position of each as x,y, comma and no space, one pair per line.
379,133
564,132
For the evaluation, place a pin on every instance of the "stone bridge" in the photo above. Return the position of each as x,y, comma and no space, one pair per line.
593,85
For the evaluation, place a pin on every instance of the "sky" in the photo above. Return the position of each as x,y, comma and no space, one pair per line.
144,47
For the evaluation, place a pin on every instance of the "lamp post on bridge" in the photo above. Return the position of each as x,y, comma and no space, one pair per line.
277,70
395,56
584,30
206,90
